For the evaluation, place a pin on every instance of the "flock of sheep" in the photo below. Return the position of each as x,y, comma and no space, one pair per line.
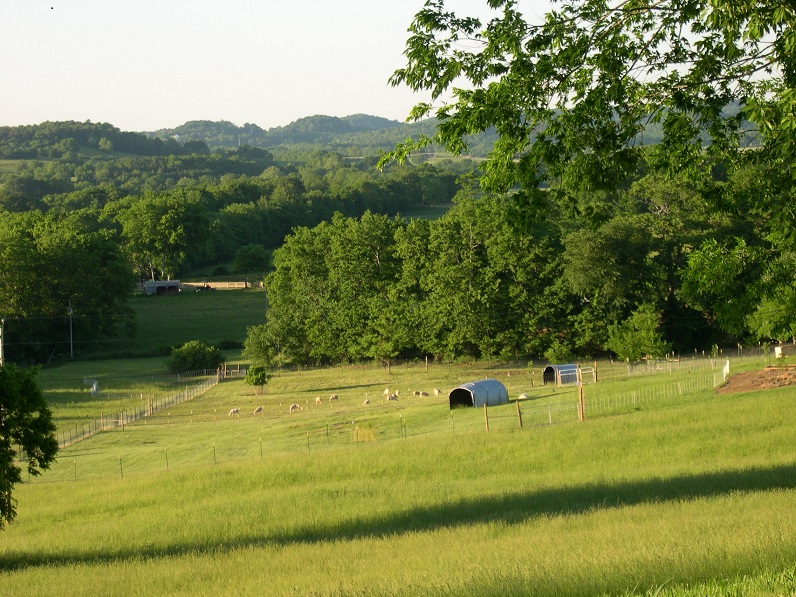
295,407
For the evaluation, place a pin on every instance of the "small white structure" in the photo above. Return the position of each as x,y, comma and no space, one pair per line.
159,287
489,392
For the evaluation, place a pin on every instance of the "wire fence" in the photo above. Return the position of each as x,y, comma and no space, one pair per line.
192,389
353,424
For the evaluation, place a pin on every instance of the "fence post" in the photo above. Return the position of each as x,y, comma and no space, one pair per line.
519,413
581,403
486,418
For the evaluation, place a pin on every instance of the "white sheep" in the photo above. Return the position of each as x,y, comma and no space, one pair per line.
386,392
522,397
234,411
258,410
437,391
318,400
367,401
333,397
295,408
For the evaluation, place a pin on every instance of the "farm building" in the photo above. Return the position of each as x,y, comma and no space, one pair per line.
560,374
161,287
488,392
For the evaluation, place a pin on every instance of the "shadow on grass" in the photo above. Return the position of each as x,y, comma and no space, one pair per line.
512,508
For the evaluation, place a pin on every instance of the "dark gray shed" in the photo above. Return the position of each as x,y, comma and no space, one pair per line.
478,393
560,374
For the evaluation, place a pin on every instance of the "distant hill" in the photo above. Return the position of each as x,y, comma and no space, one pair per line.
358,133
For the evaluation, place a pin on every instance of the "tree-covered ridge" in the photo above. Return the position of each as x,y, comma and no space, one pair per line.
65,139
317,129
355,135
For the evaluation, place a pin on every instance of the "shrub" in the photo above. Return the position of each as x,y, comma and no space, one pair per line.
638,336
193,356
558,352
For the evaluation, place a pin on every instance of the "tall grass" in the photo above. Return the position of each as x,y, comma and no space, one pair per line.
686,498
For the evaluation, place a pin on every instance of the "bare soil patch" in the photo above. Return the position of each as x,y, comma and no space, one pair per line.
768,378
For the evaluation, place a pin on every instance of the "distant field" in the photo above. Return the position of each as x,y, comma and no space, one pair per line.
9,166
429,213
681,495
210,316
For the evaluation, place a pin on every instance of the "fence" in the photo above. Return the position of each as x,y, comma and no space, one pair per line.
126,416
352,426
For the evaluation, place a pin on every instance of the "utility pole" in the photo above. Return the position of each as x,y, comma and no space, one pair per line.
71,351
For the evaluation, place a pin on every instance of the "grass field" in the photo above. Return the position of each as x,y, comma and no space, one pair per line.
678,495
165,321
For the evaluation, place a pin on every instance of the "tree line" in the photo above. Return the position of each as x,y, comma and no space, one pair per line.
648,269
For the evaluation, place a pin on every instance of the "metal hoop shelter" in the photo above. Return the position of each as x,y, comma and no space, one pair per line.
488,392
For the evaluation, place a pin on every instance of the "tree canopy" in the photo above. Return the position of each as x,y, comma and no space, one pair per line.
570,93
27,432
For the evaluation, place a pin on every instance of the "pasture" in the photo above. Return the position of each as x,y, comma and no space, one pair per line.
679,494
213,317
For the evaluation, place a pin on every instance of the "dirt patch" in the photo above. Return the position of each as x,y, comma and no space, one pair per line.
768,378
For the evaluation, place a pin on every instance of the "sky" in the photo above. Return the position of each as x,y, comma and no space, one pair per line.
144,65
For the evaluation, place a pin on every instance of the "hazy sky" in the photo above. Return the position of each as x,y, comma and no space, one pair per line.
148,64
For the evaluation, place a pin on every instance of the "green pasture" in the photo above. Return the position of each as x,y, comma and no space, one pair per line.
9,166
679,495
213,316
427,213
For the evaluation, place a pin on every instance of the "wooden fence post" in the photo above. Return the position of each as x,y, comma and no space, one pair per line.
519,413
486,418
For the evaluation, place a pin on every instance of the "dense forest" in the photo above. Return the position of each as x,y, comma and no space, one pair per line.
87,210
630,273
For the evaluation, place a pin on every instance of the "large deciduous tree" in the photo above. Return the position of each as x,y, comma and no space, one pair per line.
27,432
572,93
49,265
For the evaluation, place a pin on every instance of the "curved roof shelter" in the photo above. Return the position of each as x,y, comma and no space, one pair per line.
478,393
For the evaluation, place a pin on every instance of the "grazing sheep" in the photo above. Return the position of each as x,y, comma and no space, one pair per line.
366,402
295,408
424,394
318,400
258,410
392,397
417,393
386,392
234,411
437,391
333,397
522,397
